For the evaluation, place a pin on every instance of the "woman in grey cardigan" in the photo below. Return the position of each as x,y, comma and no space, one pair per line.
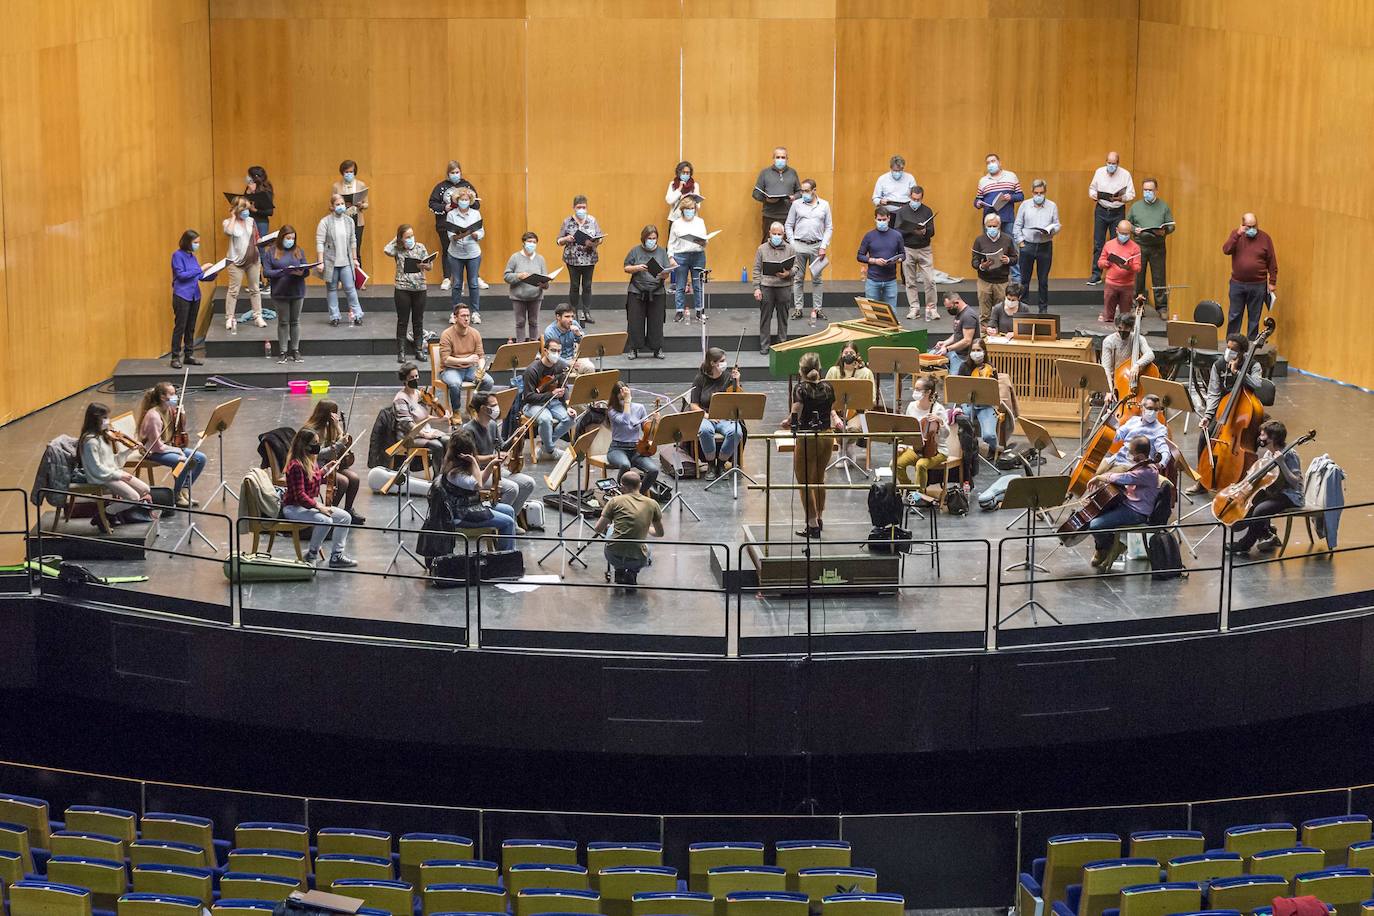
526,297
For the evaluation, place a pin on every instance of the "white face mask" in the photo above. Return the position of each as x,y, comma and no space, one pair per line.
977,356
104,424
1148,415
494,411
1233,356
720,367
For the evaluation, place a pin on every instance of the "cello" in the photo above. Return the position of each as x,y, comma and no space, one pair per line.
1128,404
1233,503
1231,438
1095,448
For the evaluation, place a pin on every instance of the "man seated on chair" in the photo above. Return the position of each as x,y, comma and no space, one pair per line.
1220,380
553,416
1117,349
460,353
1141,483
631,516
1283,495
485,428
564,329
1150,424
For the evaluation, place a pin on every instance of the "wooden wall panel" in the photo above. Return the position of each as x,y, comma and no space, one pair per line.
105,153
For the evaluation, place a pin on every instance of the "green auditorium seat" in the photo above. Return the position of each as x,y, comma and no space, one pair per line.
536,901
352,841
49,898
233,907
601,856
1102,882
1160,899
14,838
1245,892
1286,862
1340,887
766,903
186,829
1163,845
1334,835
108,821
794,855
166,852
819,883
88,845
731,879
462,898
175,881
417,848
1248,839
536,852
619,884
557,877
394,897
1361,855
672,903
138,904
1204,867
273,888
702,857
336,866
104,878
458,871
30,813
863,905
283,863
272,835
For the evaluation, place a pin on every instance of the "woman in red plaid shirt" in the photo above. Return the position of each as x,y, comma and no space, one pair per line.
302,502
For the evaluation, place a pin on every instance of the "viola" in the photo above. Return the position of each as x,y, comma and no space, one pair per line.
1127,391
645,445
1233,503
180,437
1231,440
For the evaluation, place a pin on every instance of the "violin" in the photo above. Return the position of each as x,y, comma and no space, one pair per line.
930,433
1231,439
436,409
645,445
1233,503
1126,389
548,382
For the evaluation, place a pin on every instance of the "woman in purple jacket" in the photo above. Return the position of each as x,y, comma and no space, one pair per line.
186,274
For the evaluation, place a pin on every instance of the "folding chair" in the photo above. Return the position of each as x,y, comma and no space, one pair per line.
104,878
49,898
353,841
702,857
176,881
140,904
394,897
416,848
1333,835
186,829
458,871
115,822
618,855
331,867
272,835
619,884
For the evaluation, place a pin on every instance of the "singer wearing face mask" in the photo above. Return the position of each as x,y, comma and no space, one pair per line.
998,191
580,237
336,247
1254,274
1149,423
646,305
285,267
880,252
684,183
484,426
1120,259
526,297
410,290
186,274
1111,189
1152,221
773,284
690,256
777,186
349,183
1221,379
1037,223
993,255
808,228
465,231
441,201
893,188
245,264
916,222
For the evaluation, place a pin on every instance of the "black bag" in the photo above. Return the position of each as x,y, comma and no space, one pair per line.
889,539
502,564
956,500
454,570
1166,560
884,505
163,498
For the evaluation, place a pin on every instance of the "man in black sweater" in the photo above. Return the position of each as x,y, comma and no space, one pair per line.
553,416
993,254
916,223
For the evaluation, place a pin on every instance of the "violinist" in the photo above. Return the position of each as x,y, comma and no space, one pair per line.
1117,348
627,425
156,418
463,479
851,365
303,501
327,423
411,411
1141,483
934,424
104,467
460,353
1283,495
484,426
545,387
1220,380
1149,423
713,378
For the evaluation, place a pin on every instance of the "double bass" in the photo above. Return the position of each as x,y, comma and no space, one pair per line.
1127,391
1231,444
1233,503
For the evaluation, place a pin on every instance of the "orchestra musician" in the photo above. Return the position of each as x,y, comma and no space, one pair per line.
103,466
460,354
934,424
966,328
1141,483
484,427
711,378
411,412
813,410
564,328
553,416
851,365
303,501
1150,424
984,415
1220,380
157,418
1116,348
627,424
326,421
464,478
1282,495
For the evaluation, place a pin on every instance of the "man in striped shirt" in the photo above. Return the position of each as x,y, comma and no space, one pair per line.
998,190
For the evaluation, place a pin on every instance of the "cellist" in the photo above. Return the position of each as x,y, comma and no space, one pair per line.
627,425
1283,494
1222,379
1150,424
1118,347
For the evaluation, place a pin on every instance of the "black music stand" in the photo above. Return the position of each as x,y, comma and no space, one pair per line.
576,454
850,394
1034,494
1084,377
1188,336
1039,438
976,392
737,406
515,356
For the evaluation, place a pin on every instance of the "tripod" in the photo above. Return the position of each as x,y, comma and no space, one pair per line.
1033,494
738,406
401,481
578,449
191,526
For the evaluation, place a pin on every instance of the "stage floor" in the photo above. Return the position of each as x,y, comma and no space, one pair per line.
933,611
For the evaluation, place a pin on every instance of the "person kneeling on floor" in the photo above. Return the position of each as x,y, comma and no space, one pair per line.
630,516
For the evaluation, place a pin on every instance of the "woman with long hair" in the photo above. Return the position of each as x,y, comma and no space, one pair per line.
258,183
984,415
245,264
813,411
285,267
627,423
156,416
104,466
684,183
463,479
303,501
712,378
327,422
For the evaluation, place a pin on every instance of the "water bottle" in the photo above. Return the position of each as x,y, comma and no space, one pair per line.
744,275
267,348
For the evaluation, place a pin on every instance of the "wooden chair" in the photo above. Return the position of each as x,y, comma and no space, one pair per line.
1308,517
125,424
281,526
97,495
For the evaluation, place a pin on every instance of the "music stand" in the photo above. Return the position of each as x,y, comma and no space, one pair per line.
676,428
576,453
1084,377
850,394
1172,395
607,343
594,386
976,392
897,360
191,527
737,406
402,476
504,398
1034,494
515,356
220,419
1188,336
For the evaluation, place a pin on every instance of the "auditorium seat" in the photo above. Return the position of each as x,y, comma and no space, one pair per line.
176,880
618,855
794,855
537,901
1204,867
1062,864
247,886
181,828
30,813
11,870
536,852
1360,855
458,871
702,857
228,906
49,898
765,903
141,904
527,875
863,905
88,845
1286,862
115,822
1248,839
731,879
394,897
1102,883
1163,845
272,835
618,885
335,866
1339,887
283,863
104,878
14,838
353,841
462,898
818,883
1333,835
166,852
416,848
672,903
1159,899
1245,892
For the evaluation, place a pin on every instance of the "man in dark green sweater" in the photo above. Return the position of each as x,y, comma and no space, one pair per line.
1152,221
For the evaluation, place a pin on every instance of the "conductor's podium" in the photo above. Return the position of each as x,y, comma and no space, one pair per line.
877,327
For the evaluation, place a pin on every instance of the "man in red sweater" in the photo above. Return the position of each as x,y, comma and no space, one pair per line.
1254,274
1120,262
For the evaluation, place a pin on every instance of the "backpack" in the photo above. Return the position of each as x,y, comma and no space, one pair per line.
1166,560
956,500
258,498
884,504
